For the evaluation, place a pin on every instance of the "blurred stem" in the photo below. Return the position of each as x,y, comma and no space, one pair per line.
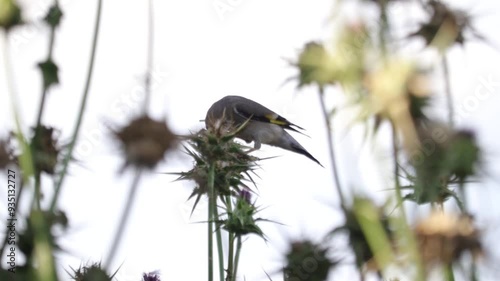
397,184
125,215
404,231
473,271
462,204
384,28
37,194
218,235
329,133
449,96
149,67
44,262
83,104
44,87
211,194
52,38
25,160
448,273
237,256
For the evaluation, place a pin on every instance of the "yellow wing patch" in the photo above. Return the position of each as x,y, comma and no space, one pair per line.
272,119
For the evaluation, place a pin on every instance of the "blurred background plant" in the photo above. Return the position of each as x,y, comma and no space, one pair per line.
432,160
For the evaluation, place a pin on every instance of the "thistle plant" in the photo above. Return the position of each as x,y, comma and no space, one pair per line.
221,172
431,158
307,261
92,272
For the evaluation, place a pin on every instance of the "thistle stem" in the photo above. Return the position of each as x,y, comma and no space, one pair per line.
211,194
449,96
71,147
125,215
218,235
237,256
149,67
329,133
230,263
404,228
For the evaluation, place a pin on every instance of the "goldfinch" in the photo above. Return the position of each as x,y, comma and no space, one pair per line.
264,125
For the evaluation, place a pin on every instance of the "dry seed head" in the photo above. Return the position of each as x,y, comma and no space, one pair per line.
44,144
5,156
443,237
145,141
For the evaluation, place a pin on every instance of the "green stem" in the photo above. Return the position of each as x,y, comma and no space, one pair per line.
44,88
25,160
473,271
211,201
237,256
38,193
329,133
218,234
384,28
448,273
71,147
449,96
397,184
123,221
462,204
52,38
405,232
230,263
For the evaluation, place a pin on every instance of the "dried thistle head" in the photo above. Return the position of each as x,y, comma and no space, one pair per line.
44,145
5,154
444,237
93,272
145,142
307,261
445,26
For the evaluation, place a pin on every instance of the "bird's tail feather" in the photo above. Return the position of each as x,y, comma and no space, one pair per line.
300,150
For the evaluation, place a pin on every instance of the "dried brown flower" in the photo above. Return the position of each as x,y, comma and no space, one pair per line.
443,238
4,155
45,149
145,142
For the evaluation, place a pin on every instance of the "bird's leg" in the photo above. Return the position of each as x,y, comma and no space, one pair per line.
256,146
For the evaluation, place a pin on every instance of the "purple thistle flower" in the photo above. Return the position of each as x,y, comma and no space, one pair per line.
151,276
246,195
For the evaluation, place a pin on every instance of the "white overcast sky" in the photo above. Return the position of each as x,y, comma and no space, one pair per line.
201,56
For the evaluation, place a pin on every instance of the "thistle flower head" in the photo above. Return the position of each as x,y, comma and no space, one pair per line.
241,220
5,154
307,261
45,149
145,142
217,150
151,276
443,238
93,272
445,27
